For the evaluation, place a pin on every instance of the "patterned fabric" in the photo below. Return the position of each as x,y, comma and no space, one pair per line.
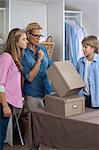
40,86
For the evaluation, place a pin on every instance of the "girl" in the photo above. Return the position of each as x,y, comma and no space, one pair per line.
10,78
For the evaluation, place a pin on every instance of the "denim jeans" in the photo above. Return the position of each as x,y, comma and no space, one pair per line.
3,127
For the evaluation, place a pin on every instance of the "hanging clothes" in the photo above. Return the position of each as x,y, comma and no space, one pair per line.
74,35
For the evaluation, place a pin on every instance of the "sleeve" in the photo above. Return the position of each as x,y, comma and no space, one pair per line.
49,60
41,46
49,63
2,89
78,65
27,62
5,62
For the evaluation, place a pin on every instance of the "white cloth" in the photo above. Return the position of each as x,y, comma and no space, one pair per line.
86,89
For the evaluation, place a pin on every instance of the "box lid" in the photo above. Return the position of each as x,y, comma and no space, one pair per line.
65,78
69,99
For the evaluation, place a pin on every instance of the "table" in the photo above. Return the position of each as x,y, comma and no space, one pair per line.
65,133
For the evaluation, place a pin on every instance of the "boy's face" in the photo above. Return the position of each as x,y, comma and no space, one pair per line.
88,50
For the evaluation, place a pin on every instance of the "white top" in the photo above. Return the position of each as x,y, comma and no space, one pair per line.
86,89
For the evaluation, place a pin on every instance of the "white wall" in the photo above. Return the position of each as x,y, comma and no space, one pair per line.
98,19
56,28
90,13
25,12
2,23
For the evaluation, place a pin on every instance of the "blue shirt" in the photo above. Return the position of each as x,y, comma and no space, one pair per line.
40,86
93,77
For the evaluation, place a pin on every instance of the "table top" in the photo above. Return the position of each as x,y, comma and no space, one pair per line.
74,132
90,115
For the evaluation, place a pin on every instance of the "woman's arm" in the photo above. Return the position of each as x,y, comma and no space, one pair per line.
34,71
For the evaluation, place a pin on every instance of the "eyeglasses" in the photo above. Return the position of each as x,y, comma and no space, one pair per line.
36,35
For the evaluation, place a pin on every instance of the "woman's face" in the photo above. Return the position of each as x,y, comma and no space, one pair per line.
34,36
22,42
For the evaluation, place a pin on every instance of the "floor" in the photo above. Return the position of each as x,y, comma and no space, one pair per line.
18,147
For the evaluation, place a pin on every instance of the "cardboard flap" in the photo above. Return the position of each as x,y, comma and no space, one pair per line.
65,78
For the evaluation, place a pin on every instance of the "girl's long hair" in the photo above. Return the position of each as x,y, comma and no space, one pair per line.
12,47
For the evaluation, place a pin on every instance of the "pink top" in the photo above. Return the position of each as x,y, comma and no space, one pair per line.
10,78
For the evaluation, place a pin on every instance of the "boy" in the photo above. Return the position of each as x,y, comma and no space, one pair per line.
88,68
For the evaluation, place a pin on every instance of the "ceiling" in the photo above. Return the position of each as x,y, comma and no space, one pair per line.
43,1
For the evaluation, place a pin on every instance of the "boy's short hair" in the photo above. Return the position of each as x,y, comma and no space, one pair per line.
91,41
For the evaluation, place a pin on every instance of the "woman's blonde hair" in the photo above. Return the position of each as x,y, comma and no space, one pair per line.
91,41
12,47
33,26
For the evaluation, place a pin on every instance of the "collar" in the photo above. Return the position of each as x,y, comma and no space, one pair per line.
95,58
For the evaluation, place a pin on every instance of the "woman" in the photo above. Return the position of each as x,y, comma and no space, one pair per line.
35,62
10,78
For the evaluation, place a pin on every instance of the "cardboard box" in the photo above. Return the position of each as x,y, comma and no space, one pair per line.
65,78
66,106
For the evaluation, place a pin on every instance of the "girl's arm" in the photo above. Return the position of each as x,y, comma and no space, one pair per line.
6,109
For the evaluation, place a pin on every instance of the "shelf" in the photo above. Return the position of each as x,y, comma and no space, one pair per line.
1,8
70,16
73,11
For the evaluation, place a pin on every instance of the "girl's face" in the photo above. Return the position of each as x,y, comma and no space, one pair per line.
88,50
22,42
